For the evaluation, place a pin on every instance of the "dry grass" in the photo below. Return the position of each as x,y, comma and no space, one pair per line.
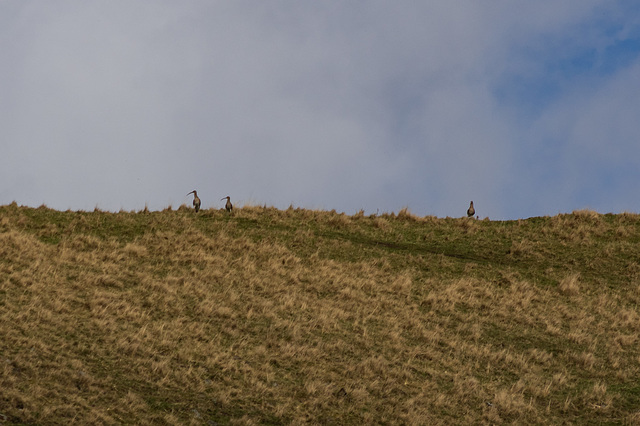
298,316
570,284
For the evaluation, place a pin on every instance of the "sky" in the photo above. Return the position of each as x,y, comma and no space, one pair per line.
526,108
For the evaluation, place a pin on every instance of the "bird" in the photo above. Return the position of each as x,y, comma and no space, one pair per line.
196,200
227,206
471,210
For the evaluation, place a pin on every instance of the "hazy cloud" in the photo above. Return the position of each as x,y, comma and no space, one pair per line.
526,108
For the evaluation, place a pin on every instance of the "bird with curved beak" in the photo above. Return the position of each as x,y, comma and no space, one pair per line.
227,206
196,200
471,210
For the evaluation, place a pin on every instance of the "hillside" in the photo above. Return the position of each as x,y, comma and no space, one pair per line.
267,316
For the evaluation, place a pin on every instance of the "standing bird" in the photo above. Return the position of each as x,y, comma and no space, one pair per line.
196,200
227,206
471,210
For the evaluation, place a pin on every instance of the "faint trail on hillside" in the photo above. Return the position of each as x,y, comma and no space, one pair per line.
420,249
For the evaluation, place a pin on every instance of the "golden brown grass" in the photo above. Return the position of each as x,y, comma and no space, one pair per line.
298,316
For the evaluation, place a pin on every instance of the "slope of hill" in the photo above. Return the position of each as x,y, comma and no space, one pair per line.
266,316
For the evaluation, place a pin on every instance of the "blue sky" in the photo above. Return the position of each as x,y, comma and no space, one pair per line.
527,108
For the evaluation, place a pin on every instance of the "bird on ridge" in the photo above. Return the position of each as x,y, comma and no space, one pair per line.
471,210
196,200
227,206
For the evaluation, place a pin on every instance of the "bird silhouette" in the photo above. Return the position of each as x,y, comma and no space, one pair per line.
471,210
196,200
227,206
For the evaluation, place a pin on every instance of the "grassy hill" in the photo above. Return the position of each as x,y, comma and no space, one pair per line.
267,316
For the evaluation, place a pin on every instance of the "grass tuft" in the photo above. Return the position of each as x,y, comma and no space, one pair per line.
570,285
